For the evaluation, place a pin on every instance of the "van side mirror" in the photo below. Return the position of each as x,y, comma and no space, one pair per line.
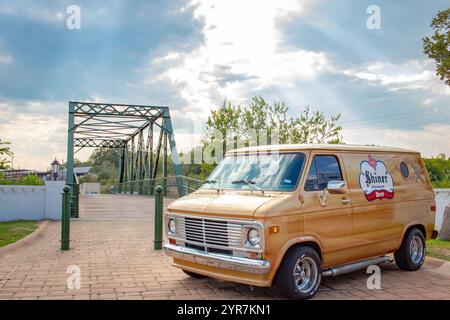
336,187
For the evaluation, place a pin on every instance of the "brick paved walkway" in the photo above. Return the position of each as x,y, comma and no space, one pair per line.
112,245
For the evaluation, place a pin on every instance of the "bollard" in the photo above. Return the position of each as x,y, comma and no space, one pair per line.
65,219
158,217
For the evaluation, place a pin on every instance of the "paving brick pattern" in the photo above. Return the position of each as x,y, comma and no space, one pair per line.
112,245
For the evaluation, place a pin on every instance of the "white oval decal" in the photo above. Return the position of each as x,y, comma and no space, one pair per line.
375,180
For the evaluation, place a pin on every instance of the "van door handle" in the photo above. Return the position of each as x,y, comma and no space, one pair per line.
345,201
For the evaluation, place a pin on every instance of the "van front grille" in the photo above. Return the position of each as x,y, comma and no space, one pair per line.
209,232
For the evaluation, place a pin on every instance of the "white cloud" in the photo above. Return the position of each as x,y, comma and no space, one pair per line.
419,140
5,59
36,134
241,53
411,75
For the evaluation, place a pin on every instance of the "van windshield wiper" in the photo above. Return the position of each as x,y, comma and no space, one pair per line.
213,182
247,182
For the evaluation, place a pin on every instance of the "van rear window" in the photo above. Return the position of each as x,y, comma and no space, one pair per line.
404,169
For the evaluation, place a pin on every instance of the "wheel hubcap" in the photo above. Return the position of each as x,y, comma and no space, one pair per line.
416,249
305,274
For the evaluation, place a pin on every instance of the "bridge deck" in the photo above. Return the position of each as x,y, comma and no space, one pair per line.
118,207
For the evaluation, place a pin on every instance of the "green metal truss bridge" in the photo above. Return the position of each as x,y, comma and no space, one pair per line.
142,134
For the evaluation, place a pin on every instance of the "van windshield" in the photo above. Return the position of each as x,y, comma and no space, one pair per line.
279,172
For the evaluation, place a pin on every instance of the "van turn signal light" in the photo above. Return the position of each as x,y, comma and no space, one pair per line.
274,229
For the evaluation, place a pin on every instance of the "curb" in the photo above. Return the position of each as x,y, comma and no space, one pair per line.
439,266
27,240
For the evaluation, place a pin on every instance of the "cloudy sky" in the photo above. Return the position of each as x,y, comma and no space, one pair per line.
190,55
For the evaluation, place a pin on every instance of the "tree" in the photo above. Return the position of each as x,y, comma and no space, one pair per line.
100,155
105,164
266,122
312,127
309,127
5,151
438,46
439,170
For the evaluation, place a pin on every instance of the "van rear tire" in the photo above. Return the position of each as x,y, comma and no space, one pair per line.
300,273
411,255
194,275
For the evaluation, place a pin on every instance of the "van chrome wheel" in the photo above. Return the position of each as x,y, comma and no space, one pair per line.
300,273
305,274
411,254
416,249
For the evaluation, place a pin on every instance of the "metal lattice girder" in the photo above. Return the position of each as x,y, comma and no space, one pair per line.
117,109
96,143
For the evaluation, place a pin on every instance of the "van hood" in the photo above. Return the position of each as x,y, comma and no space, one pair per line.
239,205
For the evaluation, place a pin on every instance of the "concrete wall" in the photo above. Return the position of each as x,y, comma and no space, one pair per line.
442,200
31,202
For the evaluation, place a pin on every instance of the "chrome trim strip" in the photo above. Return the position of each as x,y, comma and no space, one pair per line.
237,221
222,261
354,266
215,246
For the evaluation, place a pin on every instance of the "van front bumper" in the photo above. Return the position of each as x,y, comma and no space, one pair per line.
222,261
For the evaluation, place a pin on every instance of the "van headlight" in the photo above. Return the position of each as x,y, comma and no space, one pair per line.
253,237
171,227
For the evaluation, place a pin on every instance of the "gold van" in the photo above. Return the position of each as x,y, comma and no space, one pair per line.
289,214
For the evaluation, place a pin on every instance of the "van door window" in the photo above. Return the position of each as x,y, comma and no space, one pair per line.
311,181
322,170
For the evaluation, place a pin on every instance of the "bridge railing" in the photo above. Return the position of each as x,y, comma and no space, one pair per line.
74,197
173,186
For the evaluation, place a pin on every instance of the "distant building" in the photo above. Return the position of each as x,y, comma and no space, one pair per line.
79,171
17,174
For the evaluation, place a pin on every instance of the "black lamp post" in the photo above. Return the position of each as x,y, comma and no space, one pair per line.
55,169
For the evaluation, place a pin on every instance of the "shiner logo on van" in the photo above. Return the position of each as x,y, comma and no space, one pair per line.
375,180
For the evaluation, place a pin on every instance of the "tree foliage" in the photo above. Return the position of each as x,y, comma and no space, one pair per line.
5,152
438,46
28,180
104,164
268,123
100,155
439,170
309,127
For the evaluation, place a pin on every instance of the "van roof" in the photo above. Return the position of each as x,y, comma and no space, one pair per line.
332,147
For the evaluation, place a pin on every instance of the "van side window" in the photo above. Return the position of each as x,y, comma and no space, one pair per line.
311,180
322,170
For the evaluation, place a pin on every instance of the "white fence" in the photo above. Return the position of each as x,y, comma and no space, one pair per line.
442,200
31,202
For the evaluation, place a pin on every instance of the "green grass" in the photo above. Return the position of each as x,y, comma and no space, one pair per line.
439,249
11,231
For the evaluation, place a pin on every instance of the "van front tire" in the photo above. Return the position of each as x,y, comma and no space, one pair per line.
411,254
300,273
